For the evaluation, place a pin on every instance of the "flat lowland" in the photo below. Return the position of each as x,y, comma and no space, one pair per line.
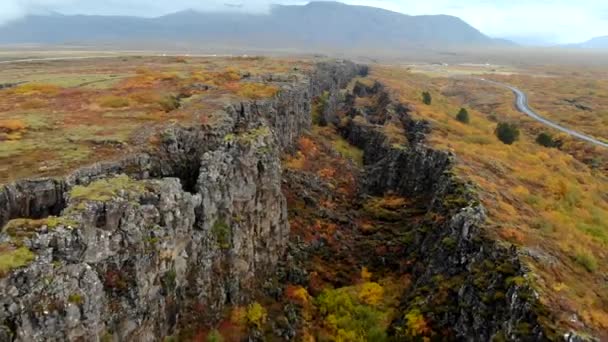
58,115
550,202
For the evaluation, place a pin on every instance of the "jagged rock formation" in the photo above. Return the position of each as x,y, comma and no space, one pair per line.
196,223
465,282
144,244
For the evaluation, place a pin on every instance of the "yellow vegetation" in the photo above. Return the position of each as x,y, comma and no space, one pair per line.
256,91
256,315
112,101
536,196
36,89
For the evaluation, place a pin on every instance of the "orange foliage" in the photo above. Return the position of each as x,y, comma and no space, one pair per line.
308,147
297,294
327,173
33,104
12,125
513,235
254,91
145,97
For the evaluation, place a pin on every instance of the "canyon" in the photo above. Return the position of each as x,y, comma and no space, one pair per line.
143,247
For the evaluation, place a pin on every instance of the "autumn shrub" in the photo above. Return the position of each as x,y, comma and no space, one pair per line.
230,74
37,89
12,125
463,116
256,315
256,91
506,132
349,319
416,324
145,97
371,293
111,101
169,103
33,104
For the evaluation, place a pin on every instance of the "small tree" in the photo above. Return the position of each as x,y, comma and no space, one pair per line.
463,116
426,98
507,133
545,139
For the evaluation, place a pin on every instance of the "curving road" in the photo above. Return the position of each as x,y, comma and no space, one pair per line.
521,103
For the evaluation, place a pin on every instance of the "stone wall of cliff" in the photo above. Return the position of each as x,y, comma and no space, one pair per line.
128,249
465,281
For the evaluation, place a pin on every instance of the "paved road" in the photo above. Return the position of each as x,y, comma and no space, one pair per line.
521,103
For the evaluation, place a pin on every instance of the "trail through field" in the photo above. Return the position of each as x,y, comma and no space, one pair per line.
521,103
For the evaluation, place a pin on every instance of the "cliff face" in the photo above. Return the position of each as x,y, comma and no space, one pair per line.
465,283
135,246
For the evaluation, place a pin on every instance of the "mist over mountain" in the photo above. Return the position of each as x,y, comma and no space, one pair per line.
595,43
316,25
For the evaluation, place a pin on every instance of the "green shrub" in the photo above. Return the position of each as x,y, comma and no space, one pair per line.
169,103
586,260
546,140
507,133
318,109
349,319
214,336
426,98
463,116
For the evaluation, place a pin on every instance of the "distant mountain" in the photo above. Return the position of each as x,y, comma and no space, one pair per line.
595,43
316,25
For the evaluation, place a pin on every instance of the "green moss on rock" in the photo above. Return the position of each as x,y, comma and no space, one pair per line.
12,258
222,233
106,189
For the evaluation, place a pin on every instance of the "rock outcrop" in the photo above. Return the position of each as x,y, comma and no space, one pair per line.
464,281
132,247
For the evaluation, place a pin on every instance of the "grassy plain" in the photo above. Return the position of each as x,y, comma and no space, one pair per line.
57,115
550,202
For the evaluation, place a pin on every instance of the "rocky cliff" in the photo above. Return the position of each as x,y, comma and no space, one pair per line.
467,284
129,249
136,248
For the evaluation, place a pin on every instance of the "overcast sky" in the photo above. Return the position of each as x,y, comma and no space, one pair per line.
547,21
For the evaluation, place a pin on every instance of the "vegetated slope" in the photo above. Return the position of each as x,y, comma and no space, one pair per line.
56,116
316,25
549,204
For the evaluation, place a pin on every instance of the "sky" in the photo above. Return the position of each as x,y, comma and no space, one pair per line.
524,21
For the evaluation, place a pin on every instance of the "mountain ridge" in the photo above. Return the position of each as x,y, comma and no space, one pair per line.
311,26
600,42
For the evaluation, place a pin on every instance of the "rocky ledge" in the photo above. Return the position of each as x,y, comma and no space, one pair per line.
122,250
